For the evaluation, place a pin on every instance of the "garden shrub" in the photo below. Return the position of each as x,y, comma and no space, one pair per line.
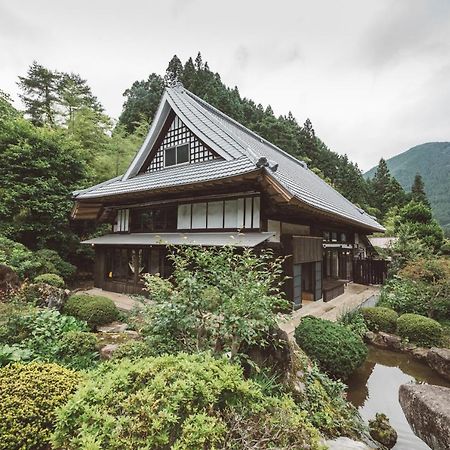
78,349
29,264
337,350
29,397
51,279
354,321
420,330
216,299
40,333
134,350
178,402
378,318
93,309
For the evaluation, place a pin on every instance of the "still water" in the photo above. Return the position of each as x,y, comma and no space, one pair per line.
374,388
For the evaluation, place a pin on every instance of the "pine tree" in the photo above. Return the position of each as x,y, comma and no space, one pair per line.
40,94
74,94
174,71
418,190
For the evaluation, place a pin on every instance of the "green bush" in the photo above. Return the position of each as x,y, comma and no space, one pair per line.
134,350
51,279
380,319
39,334
29,397
420,330
354,321
29,264
337,350
178,402
78,350
93,309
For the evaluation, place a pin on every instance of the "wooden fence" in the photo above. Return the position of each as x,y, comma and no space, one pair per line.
369,271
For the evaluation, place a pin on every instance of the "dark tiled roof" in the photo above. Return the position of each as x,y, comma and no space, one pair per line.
240,149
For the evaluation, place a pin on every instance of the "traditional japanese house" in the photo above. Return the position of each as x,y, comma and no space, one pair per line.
201,178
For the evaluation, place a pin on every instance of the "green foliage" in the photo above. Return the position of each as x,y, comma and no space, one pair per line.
385,190
51,279
218,300
337,350
30,334
354,321
380,319
29,397
422,286
135,350
415,221
40,167
179,402
28,264
420,330
94,309
78,350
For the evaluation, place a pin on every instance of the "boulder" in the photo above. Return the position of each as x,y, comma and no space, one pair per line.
384,340
381,431
344,443
427,409
113,327
107,351
420,353
439,360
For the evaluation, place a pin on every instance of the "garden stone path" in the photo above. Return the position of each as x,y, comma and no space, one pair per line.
122,301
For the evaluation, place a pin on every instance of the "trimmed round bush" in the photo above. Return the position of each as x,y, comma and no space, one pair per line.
93,309
29,397
181,402
51,279
336,349
76,343
378,318
420,330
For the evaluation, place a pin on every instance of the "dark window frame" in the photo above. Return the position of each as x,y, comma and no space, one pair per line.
177,148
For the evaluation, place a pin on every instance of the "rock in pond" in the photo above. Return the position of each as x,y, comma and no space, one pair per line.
384,340
439,360
381,431
427,409
344,443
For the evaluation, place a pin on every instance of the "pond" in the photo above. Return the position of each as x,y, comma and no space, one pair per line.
374,388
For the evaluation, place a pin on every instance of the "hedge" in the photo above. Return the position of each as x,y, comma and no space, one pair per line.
337,350
94,309
29,397
420,330
380,319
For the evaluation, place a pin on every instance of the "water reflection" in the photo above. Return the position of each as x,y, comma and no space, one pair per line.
374,388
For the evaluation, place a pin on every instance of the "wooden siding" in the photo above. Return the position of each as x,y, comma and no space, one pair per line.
306,249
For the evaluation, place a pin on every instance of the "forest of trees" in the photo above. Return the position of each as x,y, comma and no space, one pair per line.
63,141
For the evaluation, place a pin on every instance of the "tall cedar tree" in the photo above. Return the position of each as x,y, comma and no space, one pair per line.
301,141
40,94
418,190
386,190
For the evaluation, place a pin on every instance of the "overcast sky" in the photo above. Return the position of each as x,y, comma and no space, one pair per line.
373,76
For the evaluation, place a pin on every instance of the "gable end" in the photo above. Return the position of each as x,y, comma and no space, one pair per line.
175,133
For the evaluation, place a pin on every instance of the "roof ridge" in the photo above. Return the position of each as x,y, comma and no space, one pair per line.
244,128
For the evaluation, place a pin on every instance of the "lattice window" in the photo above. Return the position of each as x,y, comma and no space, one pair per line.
178,134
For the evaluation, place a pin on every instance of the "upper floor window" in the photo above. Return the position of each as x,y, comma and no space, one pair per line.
176,155
153,219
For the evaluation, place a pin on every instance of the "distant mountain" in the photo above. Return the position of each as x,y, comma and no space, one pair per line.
432,161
